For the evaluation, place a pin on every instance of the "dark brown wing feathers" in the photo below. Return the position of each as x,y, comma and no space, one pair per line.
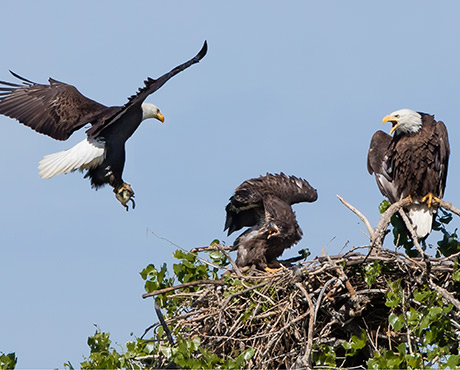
246,205
56,110
414,164
151,85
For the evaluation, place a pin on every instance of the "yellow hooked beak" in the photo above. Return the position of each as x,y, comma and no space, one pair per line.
393,120
160,117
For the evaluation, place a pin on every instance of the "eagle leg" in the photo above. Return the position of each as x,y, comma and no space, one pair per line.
430,197
124,194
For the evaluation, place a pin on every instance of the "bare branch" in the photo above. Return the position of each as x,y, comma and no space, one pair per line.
360,215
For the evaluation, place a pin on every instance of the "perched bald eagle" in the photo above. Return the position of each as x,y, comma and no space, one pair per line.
413,162
264,204
59,109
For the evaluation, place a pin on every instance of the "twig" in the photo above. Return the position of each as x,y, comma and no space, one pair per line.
186,251
213,247
162,321
184,285
447,296
446,205
311,325
414,237
382,225
360,215
226,254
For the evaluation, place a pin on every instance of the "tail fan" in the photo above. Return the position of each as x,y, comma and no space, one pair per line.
86,154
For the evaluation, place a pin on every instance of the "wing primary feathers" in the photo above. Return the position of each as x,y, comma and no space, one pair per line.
152,85
25,80
9,84
246,206
202,52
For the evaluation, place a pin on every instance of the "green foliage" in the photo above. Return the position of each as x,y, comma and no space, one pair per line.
449,244
395,359
8,361
184,353
188,354
355,344
456,273
394,294
419,314
304,253
372,272
324,355
429,325
383,206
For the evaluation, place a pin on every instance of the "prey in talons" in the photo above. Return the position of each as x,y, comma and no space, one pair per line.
124,194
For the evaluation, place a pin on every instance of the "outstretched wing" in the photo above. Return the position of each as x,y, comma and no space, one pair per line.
246,207
56,110
290,189
151,85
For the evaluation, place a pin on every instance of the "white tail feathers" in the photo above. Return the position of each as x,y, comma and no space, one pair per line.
422,218
86,154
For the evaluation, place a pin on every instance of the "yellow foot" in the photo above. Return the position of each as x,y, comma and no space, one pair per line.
430,197
273,271
124,194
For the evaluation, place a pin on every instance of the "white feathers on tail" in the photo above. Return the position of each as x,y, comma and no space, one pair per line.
86,154
422,218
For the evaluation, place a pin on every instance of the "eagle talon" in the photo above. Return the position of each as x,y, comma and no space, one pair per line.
273,270
124,194
430,197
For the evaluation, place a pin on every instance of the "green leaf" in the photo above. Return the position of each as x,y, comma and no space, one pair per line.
167,352
393,294
456,275
397,322
453,362
421,296
8,361
372,272
384,206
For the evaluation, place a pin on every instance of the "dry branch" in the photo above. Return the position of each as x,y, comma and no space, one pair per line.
283,316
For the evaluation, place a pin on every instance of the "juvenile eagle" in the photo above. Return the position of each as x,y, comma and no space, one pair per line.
264,204
59,109
413,162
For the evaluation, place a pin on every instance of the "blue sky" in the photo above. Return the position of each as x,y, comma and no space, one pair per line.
298,87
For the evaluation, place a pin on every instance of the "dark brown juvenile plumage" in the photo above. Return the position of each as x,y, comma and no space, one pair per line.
264,204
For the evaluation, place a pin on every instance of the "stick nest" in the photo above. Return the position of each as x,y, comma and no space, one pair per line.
287,317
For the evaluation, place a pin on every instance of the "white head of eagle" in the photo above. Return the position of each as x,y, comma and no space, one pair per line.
404,121
150,110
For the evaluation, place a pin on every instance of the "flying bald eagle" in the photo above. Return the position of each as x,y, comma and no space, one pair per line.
59,109
413,162
264,204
